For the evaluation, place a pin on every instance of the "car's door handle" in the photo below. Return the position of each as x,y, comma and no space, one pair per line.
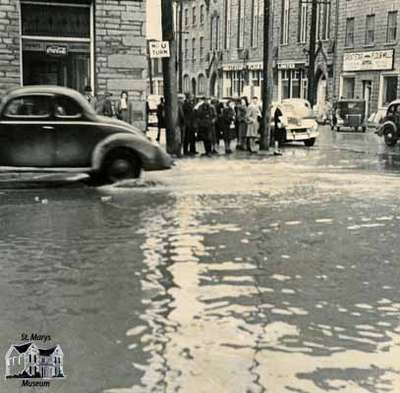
47,127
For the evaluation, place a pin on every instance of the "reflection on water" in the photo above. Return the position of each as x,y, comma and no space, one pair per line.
230,308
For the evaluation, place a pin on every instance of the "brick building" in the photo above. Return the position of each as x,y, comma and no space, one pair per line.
233,37
368,58
75,43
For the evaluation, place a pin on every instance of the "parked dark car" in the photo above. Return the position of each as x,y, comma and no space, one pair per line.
52,128
350,113
390,124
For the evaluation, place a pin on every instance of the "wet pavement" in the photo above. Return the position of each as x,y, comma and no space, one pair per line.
243,274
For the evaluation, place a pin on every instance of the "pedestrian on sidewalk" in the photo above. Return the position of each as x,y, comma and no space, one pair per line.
91,99
228,125
242,123
160,117
206,117
123,107
215,129
104,106
189,141
253,114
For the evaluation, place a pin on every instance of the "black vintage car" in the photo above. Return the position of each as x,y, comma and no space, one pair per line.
390,126
349,113
52,128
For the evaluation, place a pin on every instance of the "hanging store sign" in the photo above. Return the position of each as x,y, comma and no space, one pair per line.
369,61
158,49
57,50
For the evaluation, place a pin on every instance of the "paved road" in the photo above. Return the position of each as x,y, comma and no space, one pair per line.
240,274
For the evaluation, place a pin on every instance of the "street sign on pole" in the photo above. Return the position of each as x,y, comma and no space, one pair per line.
159,49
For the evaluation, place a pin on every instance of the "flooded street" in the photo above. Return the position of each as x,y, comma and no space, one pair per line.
244,274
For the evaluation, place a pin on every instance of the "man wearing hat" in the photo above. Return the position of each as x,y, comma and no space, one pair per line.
206,117
189,137
89,96
104,106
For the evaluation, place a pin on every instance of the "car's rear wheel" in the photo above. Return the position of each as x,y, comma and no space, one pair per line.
309,142
120,164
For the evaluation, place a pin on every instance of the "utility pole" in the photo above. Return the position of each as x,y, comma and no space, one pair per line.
150,68
267,84
180,57
311,53
169,75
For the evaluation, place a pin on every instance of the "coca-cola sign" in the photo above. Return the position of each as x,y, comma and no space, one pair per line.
56,50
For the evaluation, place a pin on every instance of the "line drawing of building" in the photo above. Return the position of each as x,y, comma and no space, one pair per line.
29,361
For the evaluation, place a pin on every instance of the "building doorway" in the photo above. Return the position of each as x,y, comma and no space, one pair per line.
321,92
367,93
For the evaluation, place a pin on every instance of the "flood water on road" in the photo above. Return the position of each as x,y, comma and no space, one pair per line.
239,275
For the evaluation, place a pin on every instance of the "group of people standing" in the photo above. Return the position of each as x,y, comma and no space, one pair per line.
211,121
103,104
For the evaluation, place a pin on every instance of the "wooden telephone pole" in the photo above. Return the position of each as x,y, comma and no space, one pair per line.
267,84
169,76
311,53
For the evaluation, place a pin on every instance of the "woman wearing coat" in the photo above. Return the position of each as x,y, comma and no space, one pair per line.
242,123
253,113
122,108
228,125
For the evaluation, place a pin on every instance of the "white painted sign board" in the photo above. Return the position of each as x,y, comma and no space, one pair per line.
158,49
368,61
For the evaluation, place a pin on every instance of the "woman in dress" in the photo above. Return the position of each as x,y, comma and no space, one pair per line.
123,112
253,114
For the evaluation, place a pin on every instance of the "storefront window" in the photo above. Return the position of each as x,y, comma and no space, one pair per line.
63,61
348,87
293,84
389,89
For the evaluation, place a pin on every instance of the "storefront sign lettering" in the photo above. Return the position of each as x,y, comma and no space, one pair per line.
369,61
289,66
56,50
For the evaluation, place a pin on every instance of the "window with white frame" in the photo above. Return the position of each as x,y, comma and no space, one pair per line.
323,21
391,34
193,49
201,84
186,83
303,22
349,41
227,19
242,22
254,22
186,17
285,22
194,16
186,49
294,83
202,14
201,48
370,30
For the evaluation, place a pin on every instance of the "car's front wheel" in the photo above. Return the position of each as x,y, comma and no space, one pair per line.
309,142
120,164
389,136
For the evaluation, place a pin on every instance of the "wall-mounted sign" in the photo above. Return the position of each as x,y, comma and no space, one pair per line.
56,50
369,61
158,49
289,65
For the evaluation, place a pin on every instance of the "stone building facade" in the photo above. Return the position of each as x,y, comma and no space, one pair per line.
368,58
234,33
76,43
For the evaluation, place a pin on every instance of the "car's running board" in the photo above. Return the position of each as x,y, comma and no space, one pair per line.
43,170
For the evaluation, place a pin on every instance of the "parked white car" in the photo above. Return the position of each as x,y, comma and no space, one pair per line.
293,120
